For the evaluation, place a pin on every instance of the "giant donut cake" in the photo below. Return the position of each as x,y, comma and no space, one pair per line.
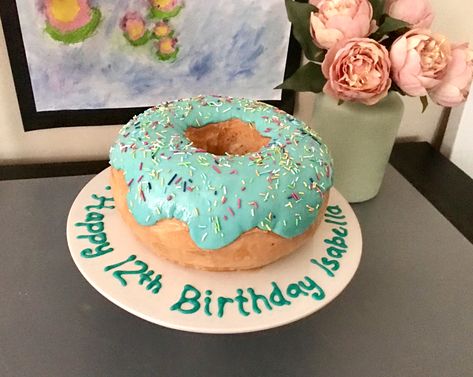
220,183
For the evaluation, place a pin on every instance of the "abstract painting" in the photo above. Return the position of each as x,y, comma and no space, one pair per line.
84,56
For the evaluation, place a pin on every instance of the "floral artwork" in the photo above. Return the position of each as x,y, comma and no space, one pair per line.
70,21
137,31
134,29
164,9
359,50
166,48
126,54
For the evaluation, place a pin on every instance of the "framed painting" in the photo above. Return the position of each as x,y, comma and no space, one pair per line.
94,62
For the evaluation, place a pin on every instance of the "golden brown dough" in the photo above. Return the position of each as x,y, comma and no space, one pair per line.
170,239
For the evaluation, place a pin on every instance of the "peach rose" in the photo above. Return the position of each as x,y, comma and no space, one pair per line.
454,87
419,61
340,19
417,13
357,70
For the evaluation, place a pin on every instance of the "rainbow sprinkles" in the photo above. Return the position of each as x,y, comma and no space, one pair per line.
279,188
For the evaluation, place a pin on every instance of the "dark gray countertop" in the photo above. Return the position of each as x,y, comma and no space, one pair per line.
408,311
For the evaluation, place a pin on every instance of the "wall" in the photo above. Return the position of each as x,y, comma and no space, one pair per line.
458,138
87,143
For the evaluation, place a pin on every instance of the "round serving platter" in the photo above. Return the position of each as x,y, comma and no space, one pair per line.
132,277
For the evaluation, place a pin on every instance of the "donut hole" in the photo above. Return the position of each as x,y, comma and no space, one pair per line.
233,137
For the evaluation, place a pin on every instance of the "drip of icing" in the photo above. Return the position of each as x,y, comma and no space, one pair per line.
279,188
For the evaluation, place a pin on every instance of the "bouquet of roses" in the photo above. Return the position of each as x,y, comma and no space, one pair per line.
359,50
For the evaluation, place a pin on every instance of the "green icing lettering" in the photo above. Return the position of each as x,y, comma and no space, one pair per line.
192,300
94,216
322,266
92,227
108,188
102,203
100,248
241,300
335,252
341,232
145,275
119,274
320,295
334,210
257,297
98,252
207,301
131,258
333,264
190,303
96,229
276,297
310,286
294,291
335,222
96,239
222,301
336,241
335,217
143,267
153,285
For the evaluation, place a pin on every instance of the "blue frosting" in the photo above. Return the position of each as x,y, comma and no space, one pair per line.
279,188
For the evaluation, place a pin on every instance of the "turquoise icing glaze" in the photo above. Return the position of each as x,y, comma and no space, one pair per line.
278,189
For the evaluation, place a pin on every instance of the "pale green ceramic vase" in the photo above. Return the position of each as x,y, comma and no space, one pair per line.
360,139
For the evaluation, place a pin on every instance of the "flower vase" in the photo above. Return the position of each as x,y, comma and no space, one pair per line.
360,139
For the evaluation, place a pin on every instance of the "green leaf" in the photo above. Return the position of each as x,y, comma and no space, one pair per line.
389,25
396,88
425,103
378,8
299,15
308,78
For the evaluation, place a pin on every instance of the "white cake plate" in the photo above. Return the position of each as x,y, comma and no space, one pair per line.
151,288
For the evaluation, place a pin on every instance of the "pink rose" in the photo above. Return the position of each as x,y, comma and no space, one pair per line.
454,87
419,61
340,19
417,13
357,70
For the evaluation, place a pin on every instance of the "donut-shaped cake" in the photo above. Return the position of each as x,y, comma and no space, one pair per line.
220,183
